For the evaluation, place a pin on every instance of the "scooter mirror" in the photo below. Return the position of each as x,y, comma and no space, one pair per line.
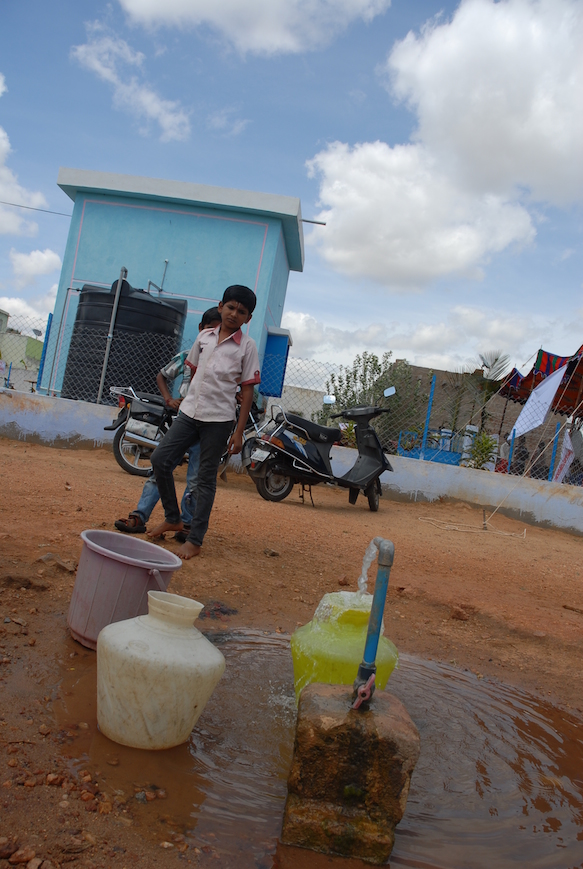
329,399
390,390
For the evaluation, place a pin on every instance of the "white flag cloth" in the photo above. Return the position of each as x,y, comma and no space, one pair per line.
567,456
534,411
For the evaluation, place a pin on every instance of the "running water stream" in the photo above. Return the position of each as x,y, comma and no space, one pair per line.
499,782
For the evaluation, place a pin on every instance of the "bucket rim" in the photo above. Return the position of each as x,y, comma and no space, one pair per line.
165,561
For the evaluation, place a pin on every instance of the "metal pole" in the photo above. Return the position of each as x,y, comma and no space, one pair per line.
554,453
426,429
122,276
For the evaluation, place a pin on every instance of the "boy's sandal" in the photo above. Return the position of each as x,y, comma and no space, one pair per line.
132,525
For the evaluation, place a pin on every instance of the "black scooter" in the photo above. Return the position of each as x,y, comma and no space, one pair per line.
293,450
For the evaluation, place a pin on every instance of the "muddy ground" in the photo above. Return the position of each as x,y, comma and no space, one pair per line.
505,603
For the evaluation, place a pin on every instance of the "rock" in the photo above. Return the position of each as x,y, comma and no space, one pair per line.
34,863
459,614
350,774
23,855
272,553
343,581
44,730
7,848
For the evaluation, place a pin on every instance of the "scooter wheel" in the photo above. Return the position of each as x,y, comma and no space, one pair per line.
372,493
133,458
274,486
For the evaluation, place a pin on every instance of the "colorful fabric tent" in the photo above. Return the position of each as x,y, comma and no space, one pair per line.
569,396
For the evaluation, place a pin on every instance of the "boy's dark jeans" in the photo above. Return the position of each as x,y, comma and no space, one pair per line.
183,433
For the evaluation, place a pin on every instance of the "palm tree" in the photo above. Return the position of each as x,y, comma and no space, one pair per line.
494,365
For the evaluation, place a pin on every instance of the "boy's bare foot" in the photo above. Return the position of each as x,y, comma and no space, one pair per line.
159,531
188,550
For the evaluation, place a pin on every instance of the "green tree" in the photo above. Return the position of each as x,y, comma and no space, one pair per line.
494,366
483,451
363,383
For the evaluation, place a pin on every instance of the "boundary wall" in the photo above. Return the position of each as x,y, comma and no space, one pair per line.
63,423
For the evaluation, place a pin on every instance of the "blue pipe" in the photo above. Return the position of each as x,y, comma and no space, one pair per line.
368,667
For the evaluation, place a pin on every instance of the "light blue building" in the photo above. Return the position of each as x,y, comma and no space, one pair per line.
181,241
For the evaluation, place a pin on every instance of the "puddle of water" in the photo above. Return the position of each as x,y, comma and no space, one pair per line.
499,781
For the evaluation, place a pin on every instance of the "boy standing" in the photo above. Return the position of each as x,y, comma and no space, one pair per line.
137,519
222,359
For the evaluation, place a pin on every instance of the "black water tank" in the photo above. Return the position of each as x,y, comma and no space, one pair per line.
146,336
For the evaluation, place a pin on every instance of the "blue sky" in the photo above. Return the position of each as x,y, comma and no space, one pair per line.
441,143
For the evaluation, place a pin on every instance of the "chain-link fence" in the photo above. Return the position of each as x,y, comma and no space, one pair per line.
21,350
447,417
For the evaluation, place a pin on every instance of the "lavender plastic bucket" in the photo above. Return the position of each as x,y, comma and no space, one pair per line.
113,579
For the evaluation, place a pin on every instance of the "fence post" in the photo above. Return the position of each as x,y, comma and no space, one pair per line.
44,353
554,453
429,406
122,276
511,449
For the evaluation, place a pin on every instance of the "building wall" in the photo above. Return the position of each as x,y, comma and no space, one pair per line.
207,250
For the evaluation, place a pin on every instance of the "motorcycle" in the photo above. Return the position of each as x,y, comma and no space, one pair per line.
293,450
142,422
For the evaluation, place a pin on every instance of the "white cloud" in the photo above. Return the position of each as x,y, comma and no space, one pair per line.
498,95
36,309
28,266
471,330
260,26
393,216
14,221
223,122
117,64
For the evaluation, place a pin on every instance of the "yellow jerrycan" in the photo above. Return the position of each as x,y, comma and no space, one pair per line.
344,642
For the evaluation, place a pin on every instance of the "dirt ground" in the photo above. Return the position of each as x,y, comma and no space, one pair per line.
505,603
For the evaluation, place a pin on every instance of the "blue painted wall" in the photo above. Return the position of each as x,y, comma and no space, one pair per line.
207,250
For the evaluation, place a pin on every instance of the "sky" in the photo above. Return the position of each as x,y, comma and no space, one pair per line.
441,144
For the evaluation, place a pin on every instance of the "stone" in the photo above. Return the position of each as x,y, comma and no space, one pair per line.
23,855
350,773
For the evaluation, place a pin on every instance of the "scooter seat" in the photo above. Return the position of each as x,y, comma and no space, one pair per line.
320,433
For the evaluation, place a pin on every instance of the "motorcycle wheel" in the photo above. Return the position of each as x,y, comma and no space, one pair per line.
132,458
274,486
372,493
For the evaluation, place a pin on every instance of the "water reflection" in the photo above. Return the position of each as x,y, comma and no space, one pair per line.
499,781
